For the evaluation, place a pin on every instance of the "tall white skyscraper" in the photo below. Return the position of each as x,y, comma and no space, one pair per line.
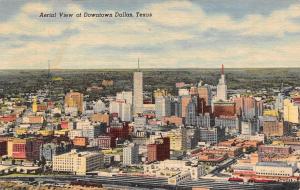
222,87
138,91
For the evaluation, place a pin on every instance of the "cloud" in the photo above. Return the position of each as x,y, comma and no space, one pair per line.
186,14
178,35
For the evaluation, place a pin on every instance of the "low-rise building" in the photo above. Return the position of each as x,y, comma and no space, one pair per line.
230,151
77,162
276,169
80,142
170,168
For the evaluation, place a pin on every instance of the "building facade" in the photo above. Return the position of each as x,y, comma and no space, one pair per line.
131,154
77,162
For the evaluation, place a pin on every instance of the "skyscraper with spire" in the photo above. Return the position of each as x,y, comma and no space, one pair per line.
138,91
222,87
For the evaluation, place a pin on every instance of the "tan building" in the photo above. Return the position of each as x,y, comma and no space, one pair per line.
185,100
178,139
74,99
205,93
77,162
10,147
33,119
160,93
290,111
103,118
178,121
274,128
276,169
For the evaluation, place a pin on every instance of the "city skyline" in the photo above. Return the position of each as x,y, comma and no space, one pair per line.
179,34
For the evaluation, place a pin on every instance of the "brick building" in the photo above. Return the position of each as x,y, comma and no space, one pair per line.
106,142
159,150
224,109
28,149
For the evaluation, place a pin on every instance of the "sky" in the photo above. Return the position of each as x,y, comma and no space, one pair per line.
179,34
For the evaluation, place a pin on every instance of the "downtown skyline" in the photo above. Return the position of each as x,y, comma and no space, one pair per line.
179,34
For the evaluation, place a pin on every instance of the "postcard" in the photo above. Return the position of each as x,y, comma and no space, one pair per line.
150,94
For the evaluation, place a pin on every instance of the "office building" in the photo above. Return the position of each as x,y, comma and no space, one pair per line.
274,128
222,87
118,129
77,162
232,124
248,128
131,154
291,111
212,135
162,106
248,107
178,139
191,114
184,101
138,99
159,150
203,120
224,109
106,142
205,93
74,100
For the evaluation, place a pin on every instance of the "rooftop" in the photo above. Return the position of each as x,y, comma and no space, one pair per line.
273,164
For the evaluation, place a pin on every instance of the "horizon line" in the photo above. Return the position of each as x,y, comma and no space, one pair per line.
149,68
